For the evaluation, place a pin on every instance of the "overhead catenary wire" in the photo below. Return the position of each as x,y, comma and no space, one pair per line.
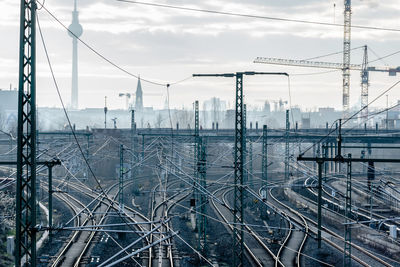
351,117
103,192
95,51
234,14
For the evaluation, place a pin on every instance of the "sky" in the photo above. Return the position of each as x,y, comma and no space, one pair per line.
168,45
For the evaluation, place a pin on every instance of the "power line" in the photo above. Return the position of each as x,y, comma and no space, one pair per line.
351,117
107,59
389,55
258,16
331,54
104,193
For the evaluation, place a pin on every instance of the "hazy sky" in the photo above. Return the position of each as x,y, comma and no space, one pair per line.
167,45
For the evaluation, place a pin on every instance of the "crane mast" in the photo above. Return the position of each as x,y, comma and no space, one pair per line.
364,85
346,57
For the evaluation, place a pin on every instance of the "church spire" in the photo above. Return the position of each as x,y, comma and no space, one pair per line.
139,96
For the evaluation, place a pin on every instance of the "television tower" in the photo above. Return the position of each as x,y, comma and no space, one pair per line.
75,31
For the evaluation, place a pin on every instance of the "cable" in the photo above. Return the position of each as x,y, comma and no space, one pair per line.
69,121
315,73
389,55
378,57
351,117
109,60
330,54
258,16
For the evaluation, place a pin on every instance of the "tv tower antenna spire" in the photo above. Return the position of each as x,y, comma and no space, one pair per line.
75,31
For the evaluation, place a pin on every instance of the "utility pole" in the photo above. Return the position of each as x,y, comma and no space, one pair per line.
238,201
245,152
371,178
265,160
387,112
287,146
250,169
50,165
347,227
87,155
196,150
202,219
121,178
26,146
105,112
238,235
133,130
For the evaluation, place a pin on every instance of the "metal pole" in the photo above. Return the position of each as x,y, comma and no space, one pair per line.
202,225
121,178
265,160
320,162
50,169
133,143
287,146
348,215
250,172
245,166
387,112
26,148
142,147
238,245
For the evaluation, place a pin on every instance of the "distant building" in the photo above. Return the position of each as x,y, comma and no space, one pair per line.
8,100
305,123
326,110
139,97
267,107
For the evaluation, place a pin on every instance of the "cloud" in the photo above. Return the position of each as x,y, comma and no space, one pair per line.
167,45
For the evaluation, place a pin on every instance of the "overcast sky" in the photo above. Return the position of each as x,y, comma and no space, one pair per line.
168,45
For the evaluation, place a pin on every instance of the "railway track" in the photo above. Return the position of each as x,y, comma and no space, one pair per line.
361,213
161,210
107,206
291,249
335,240
264,256
73,252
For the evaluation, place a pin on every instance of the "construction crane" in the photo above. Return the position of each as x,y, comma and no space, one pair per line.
364,68
346,57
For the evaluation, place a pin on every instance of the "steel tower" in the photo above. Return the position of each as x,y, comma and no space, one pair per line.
25,244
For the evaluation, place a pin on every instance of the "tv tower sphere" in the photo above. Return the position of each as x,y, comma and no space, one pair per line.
75,27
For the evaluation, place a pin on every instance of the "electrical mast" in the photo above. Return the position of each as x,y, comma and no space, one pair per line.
25,245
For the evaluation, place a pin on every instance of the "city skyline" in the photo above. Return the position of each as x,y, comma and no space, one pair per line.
143,40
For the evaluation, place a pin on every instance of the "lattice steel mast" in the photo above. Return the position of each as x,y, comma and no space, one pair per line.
202,219
121,178
264,162
347,227
26,151
238,199
287,146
